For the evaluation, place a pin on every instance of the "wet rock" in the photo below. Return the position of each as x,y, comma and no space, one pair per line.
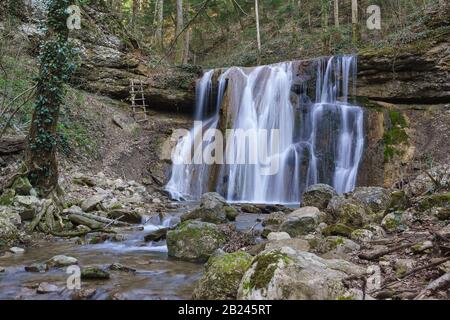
194,240
94,273
16,250
231,213
376,198
362,235
45,287
85,221
275,236
22,186
129,216
83,294
60,261
91,203
36,268
121,268
212,209
222,276
318,195
248,208
301,221
156,235
287,274
2,269
402,266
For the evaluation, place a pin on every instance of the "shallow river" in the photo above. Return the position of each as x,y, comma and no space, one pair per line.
157,276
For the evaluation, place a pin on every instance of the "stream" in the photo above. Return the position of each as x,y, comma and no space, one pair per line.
157,276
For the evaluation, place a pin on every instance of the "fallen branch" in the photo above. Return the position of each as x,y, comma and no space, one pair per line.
440,283
428,266
379,253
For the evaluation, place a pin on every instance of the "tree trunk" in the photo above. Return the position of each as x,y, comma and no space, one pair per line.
258,34
179,28
187,36
55,70
336,13
325,31
159,17
355,24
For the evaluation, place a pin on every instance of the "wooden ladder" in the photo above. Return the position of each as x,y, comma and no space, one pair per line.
138,105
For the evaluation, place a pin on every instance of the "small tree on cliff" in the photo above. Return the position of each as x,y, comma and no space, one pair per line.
56,67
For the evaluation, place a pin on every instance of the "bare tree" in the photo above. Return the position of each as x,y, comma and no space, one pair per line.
336,13
258,34
187,35
159,21
355,24
179,28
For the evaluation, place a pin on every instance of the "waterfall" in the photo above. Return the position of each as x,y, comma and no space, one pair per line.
308,140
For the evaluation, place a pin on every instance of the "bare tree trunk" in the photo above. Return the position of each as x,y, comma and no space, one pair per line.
325,31
179,28
187,36
134,10
159,17
336,13
258,34
355,24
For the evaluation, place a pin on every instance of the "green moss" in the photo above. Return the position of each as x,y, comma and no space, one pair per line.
265,266
435,200
395,136
7,197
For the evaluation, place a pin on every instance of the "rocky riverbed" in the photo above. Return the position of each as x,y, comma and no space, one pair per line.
127,243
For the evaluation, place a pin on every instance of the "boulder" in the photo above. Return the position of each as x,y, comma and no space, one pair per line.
423,183
301,221
350,211
318,195
287,274
45,287
295,243
376,198
213,209
274,219
248,208
125,215
61,261
337,247
402,266
156,235
16,250
276,236
194,240
90,204
392,222
94,273
27,206
434,200
362,235
222,276
36,268
337,229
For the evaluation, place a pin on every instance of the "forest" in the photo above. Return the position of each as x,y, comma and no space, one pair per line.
224,150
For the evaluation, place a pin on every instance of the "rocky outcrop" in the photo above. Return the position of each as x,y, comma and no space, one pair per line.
213,208
110,57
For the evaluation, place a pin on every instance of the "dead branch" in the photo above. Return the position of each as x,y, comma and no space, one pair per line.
440,283
379,253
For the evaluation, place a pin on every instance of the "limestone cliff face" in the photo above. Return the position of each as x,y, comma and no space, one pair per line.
111,57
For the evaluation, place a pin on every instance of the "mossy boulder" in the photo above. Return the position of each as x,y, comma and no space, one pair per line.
392,222
362,235
399,200
195,240
22,186
222,276
94,273
350,211
8,230
337,229
435,200
288,274
213,209
318,195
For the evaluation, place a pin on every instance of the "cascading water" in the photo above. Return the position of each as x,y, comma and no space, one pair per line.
306,140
